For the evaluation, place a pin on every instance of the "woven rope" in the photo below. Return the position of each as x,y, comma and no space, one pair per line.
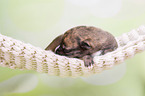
15,54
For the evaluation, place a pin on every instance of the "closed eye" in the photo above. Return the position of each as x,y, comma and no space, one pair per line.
85,45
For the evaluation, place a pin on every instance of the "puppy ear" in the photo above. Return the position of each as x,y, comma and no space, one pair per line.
55,43
85,45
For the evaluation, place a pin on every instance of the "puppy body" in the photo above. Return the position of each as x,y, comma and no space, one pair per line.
82,41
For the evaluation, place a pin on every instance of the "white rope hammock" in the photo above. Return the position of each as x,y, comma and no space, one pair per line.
15,54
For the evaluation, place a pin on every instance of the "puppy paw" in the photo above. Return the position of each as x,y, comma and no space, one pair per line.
88,60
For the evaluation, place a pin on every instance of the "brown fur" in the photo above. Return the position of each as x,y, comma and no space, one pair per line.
82,41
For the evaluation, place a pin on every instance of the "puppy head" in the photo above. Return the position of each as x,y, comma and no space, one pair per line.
78,42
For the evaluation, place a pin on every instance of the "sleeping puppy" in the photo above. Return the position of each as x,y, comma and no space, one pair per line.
81,42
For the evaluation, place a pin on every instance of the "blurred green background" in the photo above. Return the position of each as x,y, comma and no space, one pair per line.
38,22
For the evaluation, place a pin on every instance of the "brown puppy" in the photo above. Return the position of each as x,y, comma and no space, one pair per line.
81,42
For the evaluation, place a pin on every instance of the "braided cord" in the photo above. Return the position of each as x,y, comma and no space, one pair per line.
16,54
